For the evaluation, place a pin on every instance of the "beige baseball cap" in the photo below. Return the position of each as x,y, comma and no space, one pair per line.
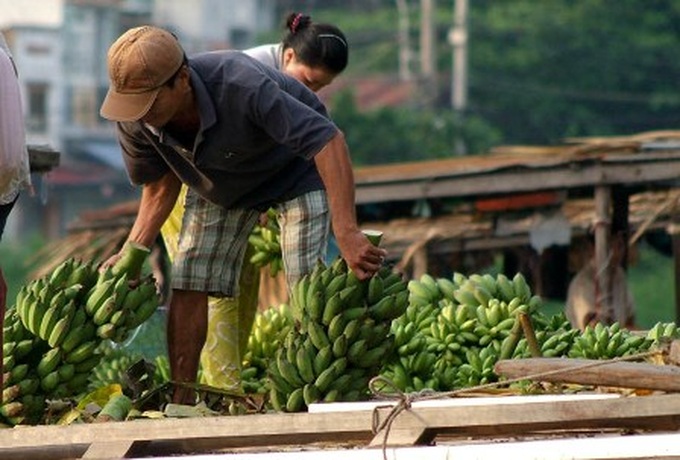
140,62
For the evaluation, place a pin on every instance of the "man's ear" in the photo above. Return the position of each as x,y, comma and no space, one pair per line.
184,76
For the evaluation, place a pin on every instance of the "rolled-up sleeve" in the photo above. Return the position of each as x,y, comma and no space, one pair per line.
142,161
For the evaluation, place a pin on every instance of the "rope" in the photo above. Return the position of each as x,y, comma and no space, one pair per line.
405,400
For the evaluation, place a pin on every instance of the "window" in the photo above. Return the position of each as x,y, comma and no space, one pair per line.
37,107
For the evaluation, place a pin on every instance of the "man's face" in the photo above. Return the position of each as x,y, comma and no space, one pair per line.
167,103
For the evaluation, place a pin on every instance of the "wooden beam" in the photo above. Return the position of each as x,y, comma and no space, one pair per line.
604,307
634,412
570,370
208,432
525,179
196,435
42,159
105,449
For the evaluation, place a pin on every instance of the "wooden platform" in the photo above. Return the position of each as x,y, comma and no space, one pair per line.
418,426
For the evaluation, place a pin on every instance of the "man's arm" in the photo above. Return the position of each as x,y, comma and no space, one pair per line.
158,199
334,166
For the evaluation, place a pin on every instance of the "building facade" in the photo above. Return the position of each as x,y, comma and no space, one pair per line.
60,49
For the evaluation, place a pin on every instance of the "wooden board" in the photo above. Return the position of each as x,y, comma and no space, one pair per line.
617,374
42,159
414,426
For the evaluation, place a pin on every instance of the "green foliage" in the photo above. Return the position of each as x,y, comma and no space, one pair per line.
389,135
538,71
15,260
546,70
652,284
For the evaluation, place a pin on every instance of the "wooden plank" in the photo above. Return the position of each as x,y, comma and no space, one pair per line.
617,374
196,435
646,412
108,449
42,159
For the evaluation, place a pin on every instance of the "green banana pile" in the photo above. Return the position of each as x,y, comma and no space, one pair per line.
112,366
662,332
52,332
340,339
265,240
455,330
22,397
270,328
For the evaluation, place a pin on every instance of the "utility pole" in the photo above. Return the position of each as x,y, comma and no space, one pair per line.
404,40
458,38
427,51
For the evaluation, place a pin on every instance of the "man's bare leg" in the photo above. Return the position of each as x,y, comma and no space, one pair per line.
187,328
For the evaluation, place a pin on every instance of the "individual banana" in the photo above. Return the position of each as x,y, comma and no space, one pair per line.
99,295
49,362
59,331
81,352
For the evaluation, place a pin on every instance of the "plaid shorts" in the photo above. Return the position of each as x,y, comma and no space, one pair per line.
213,240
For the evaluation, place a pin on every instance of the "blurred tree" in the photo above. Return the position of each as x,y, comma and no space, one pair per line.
542,71
538,71
389,135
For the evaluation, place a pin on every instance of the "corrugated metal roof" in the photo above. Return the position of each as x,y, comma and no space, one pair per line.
510,169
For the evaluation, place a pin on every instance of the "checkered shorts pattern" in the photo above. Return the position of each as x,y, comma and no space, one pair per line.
213,240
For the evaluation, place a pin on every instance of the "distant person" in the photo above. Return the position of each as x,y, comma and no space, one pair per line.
585,296
314,54
14,170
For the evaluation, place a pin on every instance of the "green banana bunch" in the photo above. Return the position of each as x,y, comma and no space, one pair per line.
341,336
51,334
22,399
270,328
663,331
448,321
478,368
111,367
265,241
607,342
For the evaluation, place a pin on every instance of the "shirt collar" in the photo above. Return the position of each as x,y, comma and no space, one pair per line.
206,109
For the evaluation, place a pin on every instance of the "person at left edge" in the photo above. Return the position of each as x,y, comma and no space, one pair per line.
14,165
242,137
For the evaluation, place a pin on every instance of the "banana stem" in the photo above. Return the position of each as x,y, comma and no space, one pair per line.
530,335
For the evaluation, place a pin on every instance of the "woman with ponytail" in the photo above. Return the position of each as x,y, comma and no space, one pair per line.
313,53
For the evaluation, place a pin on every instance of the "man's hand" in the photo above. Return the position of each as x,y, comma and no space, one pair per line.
361,256
110,262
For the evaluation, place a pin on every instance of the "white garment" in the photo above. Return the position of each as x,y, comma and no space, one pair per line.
270,55
14,165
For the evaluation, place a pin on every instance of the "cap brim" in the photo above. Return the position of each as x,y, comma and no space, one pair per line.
126,106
